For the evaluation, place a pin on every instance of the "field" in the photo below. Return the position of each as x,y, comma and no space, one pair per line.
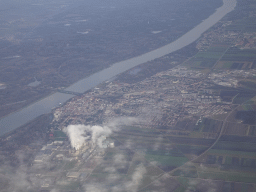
58,133
208,58
236,146
248,84
156,149
232,158
224,64
236,129
244,24
208,125
239,99
239,55
227,176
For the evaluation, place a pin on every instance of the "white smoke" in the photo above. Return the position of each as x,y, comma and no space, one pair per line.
75,134
80,134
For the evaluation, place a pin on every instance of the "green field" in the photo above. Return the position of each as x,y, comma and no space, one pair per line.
186,172
70,164
165,160
224,64
201,62
208,125
236,146
59,134
72,186
228,160
206,59
236,54
229,176
192,149
231,153
209,54
248,84
246,24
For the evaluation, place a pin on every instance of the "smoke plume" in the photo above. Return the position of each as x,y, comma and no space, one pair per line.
79,135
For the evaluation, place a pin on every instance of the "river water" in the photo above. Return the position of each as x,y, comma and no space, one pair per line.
23,116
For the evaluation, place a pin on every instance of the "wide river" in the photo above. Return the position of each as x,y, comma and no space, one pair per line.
23,116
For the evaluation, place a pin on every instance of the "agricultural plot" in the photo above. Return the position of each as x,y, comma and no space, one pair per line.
220,117
247,117
131,166
191,141
186,171
191,146
115,161
251,102
252,130
208,58
209,54
162,153
119,167
218,48
224,64
186,125
200,138
241,65
59,136
201,62
229,95
243,114
166,162
193,184
236,146
151,169
236,129
71,186
70,165
192,149
104,181
229,176
223,153
253,65
208,125
246,24
58,133
163,183
199,185
239,187
156,149
247,107
251,85
237,65
239,56
233,158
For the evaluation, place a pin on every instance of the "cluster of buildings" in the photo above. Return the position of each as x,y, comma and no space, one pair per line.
58,164
247,41
218,34
229,78
161,100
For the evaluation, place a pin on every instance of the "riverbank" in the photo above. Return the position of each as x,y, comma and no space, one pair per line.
45,105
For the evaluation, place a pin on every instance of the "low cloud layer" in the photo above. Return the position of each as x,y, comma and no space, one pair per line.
137,177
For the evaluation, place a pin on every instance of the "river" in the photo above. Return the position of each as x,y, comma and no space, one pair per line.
23,116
